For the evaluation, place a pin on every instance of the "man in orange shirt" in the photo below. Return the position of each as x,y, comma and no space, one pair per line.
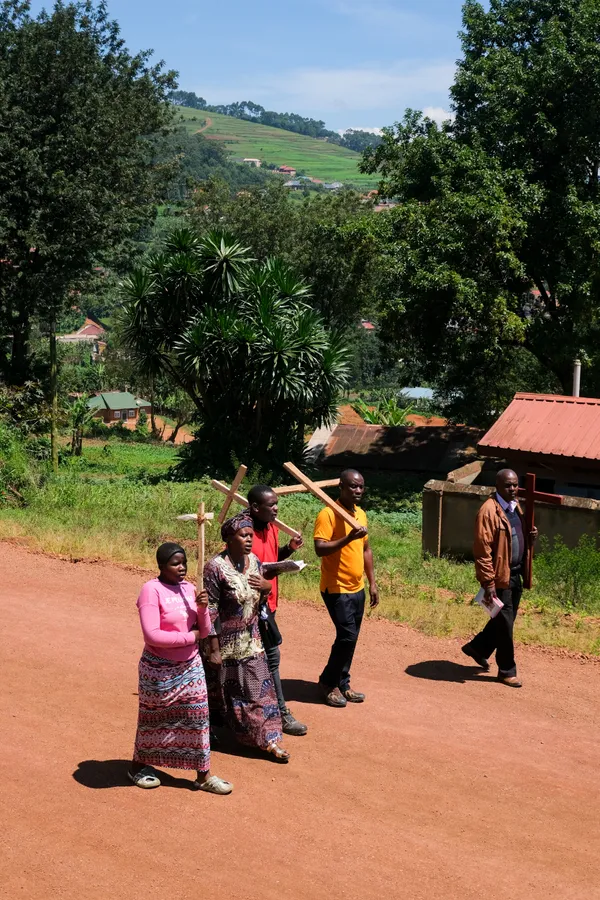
345,558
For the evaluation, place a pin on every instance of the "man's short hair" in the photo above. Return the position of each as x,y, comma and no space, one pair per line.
347,474
257,493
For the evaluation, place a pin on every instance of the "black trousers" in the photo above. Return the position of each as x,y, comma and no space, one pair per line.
273,655
498,633
346,611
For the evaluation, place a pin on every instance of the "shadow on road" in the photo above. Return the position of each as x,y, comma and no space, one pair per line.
112,773
444,670
299,691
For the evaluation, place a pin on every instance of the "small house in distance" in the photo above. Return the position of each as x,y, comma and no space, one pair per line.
556,437
118,406
91,332
287,170
253,162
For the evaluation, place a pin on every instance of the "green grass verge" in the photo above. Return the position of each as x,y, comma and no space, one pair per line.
317,158
100,508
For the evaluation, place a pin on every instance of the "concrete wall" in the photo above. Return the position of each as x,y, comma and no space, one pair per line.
459,504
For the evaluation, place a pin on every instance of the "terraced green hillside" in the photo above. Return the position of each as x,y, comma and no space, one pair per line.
317,158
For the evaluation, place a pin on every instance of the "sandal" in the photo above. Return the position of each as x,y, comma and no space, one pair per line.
214,785
278,752
145,778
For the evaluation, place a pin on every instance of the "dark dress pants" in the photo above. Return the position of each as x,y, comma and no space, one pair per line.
346,611
498,633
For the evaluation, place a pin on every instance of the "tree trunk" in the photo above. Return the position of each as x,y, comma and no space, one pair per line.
19,362
54,397
152,419
173,436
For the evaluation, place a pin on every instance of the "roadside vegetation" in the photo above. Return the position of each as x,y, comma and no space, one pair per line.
116,503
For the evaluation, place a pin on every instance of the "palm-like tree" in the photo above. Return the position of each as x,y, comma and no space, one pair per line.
240,338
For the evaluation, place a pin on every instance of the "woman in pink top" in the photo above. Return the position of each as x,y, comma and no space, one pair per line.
173,723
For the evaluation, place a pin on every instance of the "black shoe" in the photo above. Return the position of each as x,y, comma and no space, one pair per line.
354,696
291,725
480,660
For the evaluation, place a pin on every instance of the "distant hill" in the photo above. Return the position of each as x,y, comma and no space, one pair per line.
315,157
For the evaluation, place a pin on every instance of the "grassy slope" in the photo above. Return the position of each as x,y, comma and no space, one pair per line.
96,509
283,148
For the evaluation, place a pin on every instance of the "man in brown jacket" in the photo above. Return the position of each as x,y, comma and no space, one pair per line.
500,548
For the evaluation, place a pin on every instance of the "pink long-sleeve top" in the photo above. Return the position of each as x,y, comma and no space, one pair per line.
168,612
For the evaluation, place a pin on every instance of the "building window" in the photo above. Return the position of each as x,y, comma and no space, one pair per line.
132,413
117,413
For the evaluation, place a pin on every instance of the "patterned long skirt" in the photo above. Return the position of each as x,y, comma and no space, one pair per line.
242,693
173,724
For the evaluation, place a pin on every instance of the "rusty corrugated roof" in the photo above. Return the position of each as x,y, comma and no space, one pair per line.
549,425
432,449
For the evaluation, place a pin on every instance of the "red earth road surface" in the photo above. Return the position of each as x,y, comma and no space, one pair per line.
444,785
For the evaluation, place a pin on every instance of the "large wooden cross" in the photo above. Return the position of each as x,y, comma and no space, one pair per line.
531,496
232,496
313,487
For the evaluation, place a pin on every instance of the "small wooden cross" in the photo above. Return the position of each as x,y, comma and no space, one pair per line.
201,517
314,489
530,495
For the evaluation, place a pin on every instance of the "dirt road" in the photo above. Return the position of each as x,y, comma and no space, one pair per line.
442,785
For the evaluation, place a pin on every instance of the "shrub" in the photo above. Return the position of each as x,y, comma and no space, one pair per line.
18,472
569,578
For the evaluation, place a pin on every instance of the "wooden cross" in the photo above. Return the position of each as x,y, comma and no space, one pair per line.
314,489
302,489
231,492
530,496
232,496
201,517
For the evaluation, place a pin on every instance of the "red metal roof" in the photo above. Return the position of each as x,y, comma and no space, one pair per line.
548,425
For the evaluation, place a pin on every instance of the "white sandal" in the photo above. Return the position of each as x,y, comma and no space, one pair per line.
214,785
145,778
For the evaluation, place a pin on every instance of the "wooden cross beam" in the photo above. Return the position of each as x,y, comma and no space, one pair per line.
532,496
321,495
219,486
231,492
302,489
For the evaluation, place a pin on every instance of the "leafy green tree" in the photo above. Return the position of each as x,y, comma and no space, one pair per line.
330,240
240,338
75,171
492,256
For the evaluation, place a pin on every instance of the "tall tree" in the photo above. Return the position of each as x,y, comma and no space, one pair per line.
240,339
75,171
495,244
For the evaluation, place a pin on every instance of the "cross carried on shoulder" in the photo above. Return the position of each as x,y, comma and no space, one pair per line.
531,497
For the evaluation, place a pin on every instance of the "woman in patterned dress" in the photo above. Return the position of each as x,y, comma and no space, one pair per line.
239,679
173,723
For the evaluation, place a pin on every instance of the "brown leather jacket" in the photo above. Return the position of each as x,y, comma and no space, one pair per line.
492,547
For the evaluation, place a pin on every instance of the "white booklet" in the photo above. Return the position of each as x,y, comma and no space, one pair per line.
272,570
492,607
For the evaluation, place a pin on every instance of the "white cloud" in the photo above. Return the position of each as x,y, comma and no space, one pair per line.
438,114
342,131
364,88
383,15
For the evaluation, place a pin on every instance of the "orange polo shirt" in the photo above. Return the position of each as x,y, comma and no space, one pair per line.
342,572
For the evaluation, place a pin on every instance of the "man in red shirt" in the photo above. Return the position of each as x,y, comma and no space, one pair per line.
262,501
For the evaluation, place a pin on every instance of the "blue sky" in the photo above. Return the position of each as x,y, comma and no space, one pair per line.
352,63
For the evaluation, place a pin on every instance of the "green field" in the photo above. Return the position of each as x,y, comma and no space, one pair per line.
316,158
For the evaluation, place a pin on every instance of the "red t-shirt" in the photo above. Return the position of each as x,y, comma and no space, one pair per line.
266,546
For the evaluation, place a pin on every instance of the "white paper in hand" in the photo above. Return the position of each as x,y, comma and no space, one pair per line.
492,607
